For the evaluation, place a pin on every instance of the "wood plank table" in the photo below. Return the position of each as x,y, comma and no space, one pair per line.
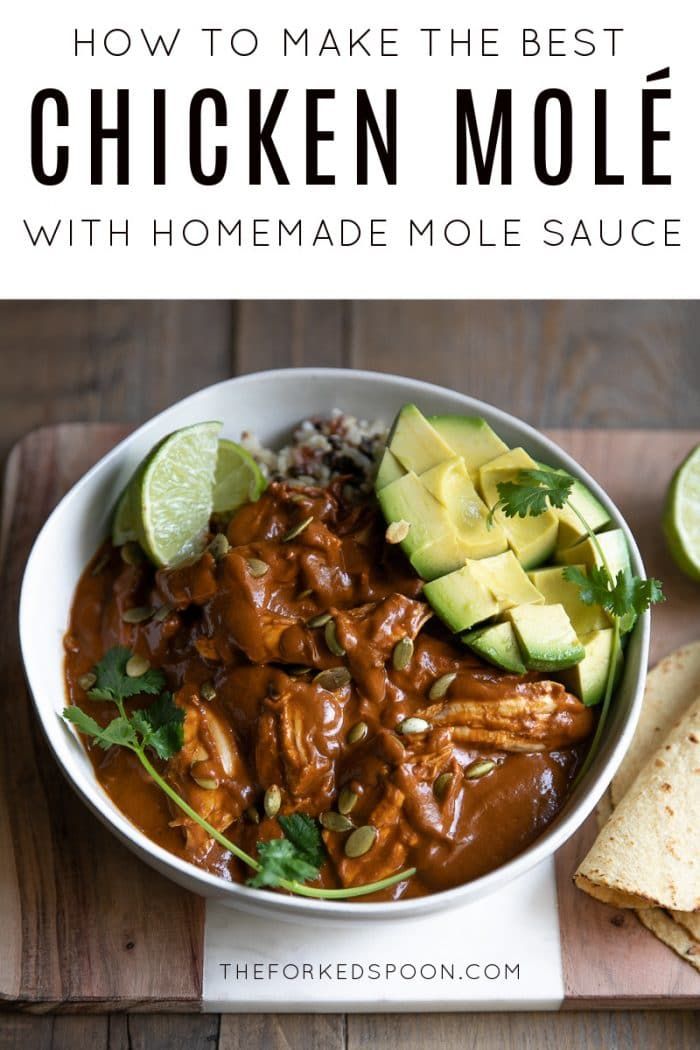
552,363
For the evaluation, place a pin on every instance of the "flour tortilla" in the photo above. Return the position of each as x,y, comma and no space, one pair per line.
671,688
647,854
671,933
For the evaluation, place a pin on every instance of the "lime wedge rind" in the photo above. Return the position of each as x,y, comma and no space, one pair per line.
238,478
681,522
173,494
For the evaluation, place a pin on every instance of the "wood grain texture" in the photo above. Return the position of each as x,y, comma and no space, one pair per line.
605,950
282,1032
86,905
291,334
64,361
526,1031
552,363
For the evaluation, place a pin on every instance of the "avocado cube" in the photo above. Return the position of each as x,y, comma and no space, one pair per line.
588,679
439,557
532,539
406,499
505,578
389,470
460,600
470,437
451,485
415,443
546,637
497,645
581,499
557,590
617,557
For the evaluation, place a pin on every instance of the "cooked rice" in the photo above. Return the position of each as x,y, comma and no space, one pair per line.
323,449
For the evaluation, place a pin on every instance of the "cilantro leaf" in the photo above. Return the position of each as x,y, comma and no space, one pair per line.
279,860
119,732
628,595
593,584
160,726
532,492
113,683
303,832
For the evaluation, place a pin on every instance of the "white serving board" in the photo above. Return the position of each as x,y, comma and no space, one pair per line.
499,953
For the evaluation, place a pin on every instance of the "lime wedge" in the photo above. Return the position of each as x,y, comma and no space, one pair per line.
238,478
123,524
682,516
172,494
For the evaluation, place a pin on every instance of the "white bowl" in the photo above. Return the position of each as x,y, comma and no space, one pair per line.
270,403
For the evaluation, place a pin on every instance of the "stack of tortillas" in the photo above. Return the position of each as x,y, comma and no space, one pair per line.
647,855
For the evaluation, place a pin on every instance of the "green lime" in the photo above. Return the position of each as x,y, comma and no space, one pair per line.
682,515
123,525
172,494
238,478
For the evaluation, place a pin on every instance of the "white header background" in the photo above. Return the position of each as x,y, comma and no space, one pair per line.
37,45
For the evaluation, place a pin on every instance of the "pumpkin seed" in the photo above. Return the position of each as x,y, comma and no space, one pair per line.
297,670
207,691
361,841
397,531
272,801
333,678
86,681
206,783
346,800
252,815
331,636
319,621
100,564
402,654
200,755
139,614
441,685
162,613
257,567
137,665
131,553
297,530
219,546
358,732
413,725
335,822
479,768
442,784
305,594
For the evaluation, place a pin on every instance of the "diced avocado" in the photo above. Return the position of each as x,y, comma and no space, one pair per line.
460,600
389,470
559,591
546,636
451,485
507,581
498,645
587,680
415,443
617,558
532,539
408,500
470,437
481,589
613,544
570,528
439,557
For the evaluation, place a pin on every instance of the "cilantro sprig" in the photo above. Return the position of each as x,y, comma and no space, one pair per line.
624,596
288,862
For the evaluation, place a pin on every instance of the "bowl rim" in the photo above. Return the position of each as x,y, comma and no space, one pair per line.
576,809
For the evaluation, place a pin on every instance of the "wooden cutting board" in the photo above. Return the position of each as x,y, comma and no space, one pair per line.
86,926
